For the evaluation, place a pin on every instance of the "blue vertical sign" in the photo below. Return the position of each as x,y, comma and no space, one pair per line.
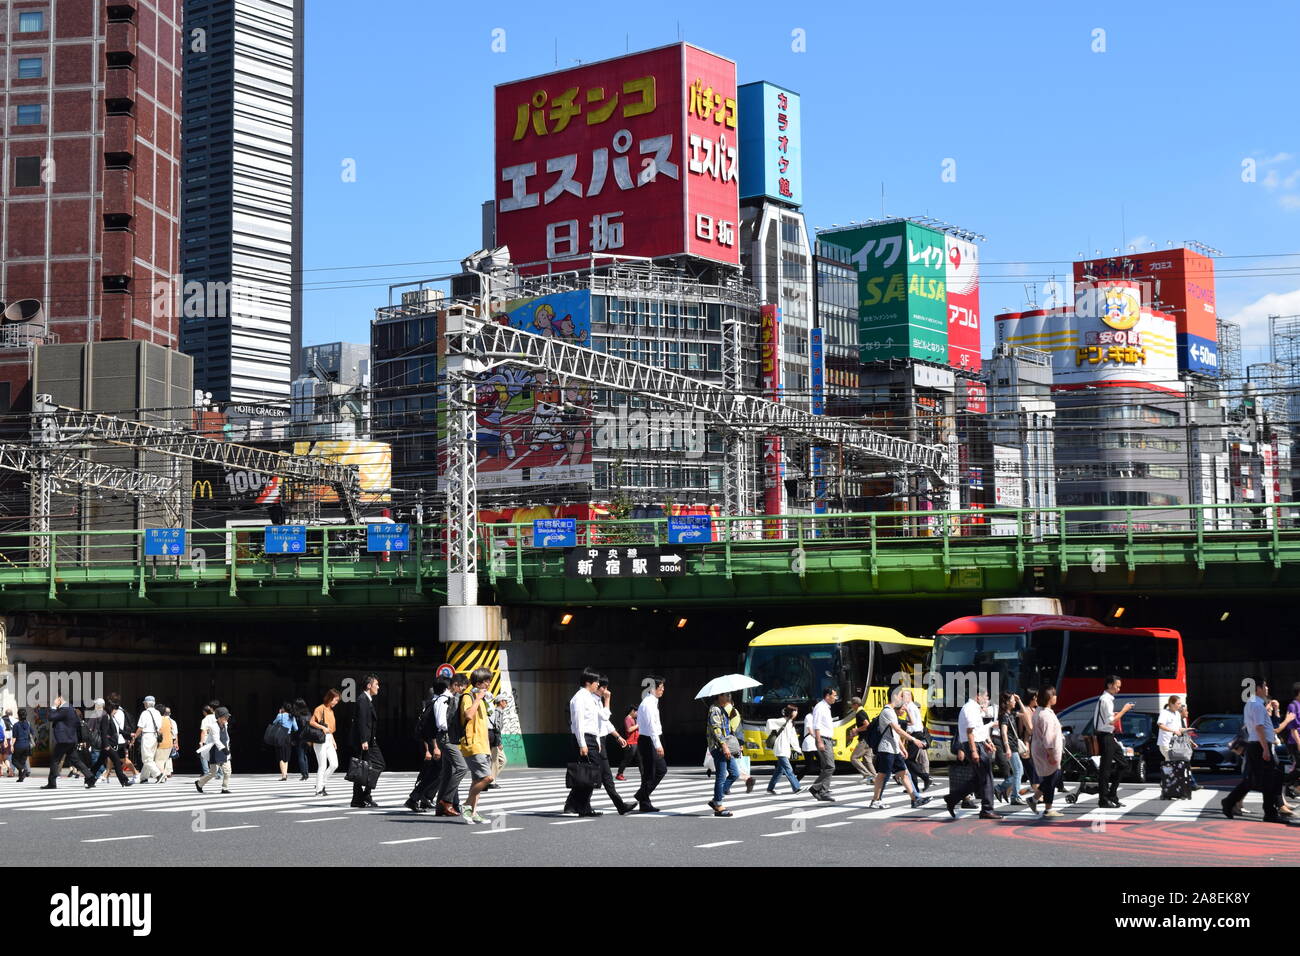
161,542
285,539
690,529
818,362
555,533
770,143
388,537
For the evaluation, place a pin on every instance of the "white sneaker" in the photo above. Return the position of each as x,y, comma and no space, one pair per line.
877,805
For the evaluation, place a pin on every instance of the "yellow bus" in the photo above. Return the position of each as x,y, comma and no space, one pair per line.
796,664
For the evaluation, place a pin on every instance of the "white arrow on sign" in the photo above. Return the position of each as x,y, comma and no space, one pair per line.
548,538
670,558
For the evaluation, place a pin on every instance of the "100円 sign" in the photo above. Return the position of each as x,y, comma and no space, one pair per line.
624,561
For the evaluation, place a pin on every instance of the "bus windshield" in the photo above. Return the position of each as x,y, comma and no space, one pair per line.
963,662
790,674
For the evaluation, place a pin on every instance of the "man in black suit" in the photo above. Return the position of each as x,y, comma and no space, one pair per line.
64,724
364,729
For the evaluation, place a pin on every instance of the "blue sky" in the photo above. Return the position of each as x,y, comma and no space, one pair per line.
1058,149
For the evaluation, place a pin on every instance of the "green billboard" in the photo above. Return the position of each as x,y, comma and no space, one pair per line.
902,295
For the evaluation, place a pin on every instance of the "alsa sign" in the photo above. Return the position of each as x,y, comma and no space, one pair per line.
635,156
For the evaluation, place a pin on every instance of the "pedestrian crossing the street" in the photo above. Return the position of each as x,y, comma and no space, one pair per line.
541,793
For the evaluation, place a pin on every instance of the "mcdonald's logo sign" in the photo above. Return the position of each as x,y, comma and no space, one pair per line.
199,489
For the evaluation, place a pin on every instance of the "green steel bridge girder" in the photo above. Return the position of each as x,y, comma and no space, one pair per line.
741,572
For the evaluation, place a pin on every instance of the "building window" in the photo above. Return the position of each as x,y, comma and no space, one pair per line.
31,22
29,114
30,68
27,171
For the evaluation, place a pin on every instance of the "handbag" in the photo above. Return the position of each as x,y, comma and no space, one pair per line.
582,773
363,772
310,734
1180,748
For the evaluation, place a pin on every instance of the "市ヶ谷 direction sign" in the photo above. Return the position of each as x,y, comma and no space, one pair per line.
555,532
388,537
161,542
690,529
285,539
624,561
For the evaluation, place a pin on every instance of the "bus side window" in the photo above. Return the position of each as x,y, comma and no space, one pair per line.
1119,656
1085,658
1166,654
1045,660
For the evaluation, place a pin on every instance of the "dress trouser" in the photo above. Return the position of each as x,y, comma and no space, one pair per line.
428,779
606,775
981,780
68,752
1112,767
114,754
454,769
579,798
360,792
826,770
1262,776
653,768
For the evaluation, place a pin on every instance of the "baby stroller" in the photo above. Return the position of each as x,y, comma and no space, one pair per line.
1076,761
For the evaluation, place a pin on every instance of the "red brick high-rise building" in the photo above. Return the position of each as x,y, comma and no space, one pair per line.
91,175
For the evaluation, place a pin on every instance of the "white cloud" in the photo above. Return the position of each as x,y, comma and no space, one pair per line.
1276,158
1290,201
1253,318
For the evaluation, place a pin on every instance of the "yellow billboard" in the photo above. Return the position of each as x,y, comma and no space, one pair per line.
373,460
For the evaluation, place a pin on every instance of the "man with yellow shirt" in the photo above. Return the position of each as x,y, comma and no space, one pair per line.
474,722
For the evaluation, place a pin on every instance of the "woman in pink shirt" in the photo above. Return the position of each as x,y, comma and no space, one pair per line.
633,734
1045,748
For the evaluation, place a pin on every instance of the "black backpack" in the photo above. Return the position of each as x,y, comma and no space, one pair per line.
455,729
426,728
876,732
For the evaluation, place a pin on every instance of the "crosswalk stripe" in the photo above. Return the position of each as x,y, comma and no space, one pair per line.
410,840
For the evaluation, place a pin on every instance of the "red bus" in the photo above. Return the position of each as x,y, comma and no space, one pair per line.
1029,651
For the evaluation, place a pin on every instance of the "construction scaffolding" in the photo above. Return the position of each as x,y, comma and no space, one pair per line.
1230,364
1284,349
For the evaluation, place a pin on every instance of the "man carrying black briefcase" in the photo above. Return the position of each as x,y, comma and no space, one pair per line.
584,720
368,763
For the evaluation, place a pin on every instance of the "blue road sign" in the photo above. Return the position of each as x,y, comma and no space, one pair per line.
388,537
161,542
690,529
286,539
555,533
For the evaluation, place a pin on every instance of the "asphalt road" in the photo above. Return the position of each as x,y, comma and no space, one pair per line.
269,822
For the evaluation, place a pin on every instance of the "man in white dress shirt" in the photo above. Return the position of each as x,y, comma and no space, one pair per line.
601,754
650,745
823,730
584,723
973,732
1261,762
1113,762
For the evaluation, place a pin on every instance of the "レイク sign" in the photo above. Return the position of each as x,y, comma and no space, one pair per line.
633,156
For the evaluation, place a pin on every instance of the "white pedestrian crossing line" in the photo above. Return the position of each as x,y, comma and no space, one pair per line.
677,796
142,836
242,826
410,840
710,846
